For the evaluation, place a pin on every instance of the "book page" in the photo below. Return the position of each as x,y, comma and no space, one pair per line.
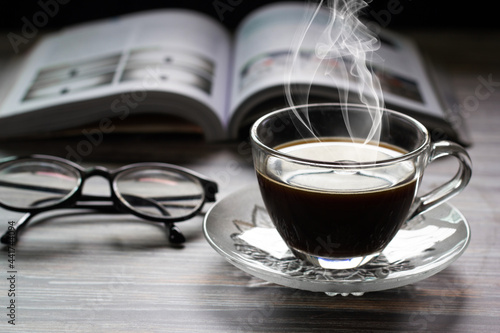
403,75
175,51
262,46
10,67
267,39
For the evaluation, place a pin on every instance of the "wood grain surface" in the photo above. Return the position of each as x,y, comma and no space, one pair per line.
81,272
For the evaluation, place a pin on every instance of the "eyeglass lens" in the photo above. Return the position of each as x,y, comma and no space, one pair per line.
159,192
36,184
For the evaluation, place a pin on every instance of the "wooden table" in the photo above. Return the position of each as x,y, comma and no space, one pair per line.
95,273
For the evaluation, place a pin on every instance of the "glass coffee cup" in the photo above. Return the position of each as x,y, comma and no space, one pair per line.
336,198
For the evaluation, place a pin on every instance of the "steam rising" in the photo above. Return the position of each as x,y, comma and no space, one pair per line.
343,46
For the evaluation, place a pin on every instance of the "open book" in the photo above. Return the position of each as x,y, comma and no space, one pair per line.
190,69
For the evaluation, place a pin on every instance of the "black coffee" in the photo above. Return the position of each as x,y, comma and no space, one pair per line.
337,214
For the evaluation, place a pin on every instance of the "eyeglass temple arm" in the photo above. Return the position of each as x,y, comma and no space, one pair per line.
209,196
32,187
10,237
105,202
174,234
210,188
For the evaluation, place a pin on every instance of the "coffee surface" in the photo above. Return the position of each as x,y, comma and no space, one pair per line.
337,212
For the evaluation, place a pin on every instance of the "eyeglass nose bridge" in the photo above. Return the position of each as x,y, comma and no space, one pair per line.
97,171
104,173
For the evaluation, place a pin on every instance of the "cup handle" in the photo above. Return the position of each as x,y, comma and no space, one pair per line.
450,188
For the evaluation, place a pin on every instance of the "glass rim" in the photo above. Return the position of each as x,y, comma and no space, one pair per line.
342,165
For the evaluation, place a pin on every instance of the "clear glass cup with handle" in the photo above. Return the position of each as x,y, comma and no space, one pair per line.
337,198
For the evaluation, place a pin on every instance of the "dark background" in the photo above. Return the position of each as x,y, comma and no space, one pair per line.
420,14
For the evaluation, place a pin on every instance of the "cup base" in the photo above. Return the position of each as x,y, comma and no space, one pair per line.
335,263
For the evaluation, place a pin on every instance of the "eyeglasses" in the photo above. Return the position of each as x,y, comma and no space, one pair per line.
152,191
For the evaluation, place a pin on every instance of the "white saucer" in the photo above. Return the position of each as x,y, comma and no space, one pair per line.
424,246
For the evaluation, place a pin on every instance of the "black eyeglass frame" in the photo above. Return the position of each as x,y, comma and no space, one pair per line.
76,198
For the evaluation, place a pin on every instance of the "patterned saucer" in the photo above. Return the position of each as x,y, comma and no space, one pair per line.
239,228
